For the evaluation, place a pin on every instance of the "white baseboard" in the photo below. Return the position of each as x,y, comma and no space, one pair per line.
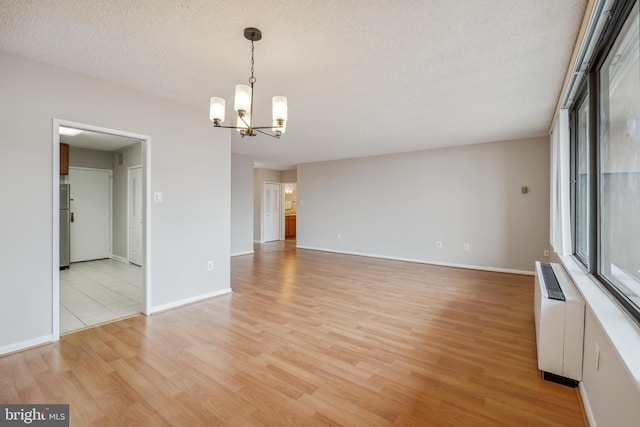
423,261
187,301
242,253
119,258
24,345
587,406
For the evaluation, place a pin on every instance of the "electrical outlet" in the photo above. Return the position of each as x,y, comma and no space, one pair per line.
157,197
438,244
546,253
209,265
466,246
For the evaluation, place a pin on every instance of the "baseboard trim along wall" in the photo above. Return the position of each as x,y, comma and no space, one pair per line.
586,406
119,258
160,308
242,253
423,261
24,345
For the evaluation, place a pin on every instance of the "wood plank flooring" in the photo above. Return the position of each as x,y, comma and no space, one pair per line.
310,339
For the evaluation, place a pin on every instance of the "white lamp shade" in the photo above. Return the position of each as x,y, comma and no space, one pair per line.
276,129
216,109
243,98
279,108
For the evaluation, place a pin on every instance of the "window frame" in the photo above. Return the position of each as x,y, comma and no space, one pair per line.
583,95
590,89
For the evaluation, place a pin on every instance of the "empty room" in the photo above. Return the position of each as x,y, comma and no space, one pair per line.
320,213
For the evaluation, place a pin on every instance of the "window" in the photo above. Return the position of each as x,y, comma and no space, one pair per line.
619,147
606,161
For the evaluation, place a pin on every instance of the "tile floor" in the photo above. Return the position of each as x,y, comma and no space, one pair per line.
94,292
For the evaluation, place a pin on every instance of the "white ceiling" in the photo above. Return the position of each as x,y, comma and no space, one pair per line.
98,141
363,77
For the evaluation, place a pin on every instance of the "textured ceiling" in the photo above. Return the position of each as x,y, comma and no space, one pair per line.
362,77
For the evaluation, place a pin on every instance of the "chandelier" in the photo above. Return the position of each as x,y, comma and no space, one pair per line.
244,104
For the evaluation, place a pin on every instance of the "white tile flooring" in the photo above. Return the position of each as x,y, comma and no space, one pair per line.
94,292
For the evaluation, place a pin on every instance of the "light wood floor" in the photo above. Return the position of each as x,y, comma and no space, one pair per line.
310,338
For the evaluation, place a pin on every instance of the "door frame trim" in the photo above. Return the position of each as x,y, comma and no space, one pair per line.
146,206
129,168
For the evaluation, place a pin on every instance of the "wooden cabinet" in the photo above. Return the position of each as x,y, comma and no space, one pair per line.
289,226
64,159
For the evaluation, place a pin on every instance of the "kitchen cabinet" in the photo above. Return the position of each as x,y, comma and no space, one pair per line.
289,226
64,159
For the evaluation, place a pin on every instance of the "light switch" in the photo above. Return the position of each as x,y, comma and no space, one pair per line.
157,197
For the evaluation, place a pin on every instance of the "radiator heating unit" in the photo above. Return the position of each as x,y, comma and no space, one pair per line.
559,316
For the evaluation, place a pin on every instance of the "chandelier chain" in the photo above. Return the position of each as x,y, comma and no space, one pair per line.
252,80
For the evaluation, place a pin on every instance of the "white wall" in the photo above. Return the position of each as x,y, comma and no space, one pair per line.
190,164
399,206
82,157
241,204
290,175
610,393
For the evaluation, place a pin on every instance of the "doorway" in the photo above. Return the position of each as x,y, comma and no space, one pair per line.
112,268
289,198
271,213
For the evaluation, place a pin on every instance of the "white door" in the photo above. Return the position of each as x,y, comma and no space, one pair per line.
135,215
272,212
90,231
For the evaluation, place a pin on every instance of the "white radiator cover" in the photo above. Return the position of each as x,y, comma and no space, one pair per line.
559,326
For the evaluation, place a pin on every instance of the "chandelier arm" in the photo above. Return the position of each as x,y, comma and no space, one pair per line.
266,133
266,127
228,127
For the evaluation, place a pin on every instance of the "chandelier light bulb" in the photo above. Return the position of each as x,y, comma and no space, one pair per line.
279,104
216,110
243,98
